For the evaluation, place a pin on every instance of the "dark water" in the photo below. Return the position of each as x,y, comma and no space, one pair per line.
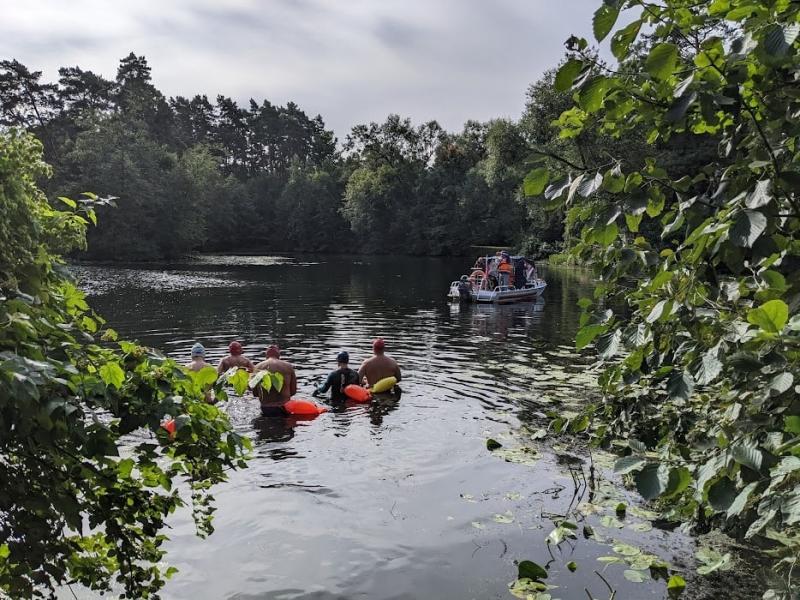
400,498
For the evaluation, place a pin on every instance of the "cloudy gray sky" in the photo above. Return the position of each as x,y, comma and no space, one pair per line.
350,60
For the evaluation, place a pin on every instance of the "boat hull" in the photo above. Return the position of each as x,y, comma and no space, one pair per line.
509,295
499,295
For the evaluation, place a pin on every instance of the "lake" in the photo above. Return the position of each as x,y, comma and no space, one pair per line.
398,499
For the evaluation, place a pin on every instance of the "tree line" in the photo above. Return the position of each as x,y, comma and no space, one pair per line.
204,174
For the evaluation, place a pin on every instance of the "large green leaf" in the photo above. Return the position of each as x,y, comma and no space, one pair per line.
738,504
721,494
680,385
555,190
205,377
652,481
761,194
676,586
708,368
587,334
112,374
261,378
608,344
679,479
778,38
627,464
604,19
621,41
748,455
531,570
771,316
567,73
277,381
593,92
661,308
535,181
679,107
712,561
747,228
661,61
781,383
239,380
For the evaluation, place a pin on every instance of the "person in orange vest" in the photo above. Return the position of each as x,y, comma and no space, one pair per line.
506,270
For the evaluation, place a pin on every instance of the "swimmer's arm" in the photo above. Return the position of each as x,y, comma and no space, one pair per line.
397,374
222,367
293,385
327,385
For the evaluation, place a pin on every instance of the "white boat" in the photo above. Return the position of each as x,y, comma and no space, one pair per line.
487,284
501,294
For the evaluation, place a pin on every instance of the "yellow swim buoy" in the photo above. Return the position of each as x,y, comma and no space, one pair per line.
384,385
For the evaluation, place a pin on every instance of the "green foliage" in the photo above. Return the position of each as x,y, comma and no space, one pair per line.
694,312
89,474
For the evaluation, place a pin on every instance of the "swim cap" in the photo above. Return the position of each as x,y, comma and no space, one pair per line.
198,350
378,346
273,351
343,357
235,348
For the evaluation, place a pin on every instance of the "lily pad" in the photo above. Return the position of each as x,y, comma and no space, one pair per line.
611,522
528,589
626,549
505,518
635,576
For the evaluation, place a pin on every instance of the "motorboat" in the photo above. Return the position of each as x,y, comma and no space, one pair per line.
499,280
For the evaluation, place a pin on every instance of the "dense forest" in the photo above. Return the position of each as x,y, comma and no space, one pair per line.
200,174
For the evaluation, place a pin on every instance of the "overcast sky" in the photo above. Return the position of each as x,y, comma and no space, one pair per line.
352,61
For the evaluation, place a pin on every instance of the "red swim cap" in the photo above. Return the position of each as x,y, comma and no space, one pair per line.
273,351
235,348
378,346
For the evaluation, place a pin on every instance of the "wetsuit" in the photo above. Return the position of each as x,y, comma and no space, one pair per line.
337,381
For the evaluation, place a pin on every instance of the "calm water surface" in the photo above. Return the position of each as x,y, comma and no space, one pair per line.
398,499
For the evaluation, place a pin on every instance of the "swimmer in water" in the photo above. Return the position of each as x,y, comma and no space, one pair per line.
272,401
198,363
198,358
339,379
235,358
380,366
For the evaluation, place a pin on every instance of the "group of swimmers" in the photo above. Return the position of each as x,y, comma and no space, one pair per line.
378,366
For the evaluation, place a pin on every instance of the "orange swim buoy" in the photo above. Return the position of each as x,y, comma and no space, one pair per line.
357,393
170,427
303,407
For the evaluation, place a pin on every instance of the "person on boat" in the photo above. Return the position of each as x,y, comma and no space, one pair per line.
339,379
272,401
505,269
380,366
530,271
464,288
235,358
198,354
